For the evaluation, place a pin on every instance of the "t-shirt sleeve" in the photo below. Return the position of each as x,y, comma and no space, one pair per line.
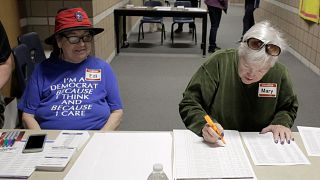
5,49
30,99
113,93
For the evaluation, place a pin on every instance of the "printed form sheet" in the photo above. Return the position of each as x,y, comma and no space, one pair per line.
264,151
15,164
71,138
123,156
311,139
195,159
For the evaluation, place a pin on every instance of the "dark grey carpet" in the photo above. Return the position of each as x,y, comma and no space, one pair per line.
151,87
152,77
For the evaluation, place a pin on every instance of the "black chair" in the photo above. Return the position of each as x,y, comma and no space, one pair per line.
184,20
23,67
32,41
146,19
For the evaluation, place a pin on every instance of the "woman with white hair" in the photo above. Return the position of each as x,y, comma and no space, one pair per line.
245,89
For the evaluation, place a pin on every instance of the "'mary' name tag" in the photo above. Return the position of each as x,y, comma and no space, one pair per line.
267,90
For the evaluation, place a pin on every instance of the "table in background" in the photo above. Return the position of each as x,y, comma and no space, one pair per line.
295,172
173,12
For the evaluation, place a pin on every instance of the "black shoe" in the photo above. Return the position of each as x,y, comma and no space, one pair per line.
212,50
190,30
178,30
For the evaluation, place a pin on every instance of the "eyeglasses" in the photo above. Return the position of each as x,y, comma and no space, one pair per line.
76,39
257,44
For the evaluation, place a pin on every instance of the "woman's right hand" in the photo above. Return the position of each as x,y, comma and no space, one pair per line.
209,135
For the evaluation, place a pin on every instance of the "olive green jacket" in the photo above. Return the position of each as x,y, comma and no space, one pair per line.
216,89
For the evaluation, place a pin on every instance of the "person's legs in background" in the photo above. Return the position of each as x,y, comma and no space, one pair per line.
248,18
194,3
180,25
215,17
179,29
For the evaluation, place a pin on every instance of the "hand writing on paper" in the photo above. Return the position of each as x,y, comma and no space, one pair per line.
209,135
280,132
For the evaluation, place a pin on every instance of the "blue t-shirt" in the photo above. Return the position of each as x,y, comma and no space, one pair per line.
64,95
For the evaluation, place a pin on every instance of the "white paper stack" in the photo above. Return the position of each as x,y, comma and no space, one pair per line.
195,159
71,139
123,156
15,164
55,159
311,139
264,151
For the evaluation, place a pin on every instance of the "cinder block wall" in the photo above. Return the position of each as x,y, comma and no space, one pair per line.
38,16
303,36
103,17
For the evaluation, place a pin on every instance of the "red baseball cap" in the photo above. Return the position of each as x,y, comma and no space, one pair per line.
70,20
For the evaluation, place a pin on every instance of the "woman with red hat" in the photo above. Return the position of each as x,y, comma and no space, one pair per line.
72,89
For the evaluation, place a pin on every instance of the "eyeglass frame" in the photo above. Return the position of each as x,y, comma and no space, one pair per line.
263,45
79,38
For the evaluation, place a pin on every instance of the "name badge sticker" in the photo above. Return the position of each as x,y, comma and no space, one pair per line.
93,74
267,90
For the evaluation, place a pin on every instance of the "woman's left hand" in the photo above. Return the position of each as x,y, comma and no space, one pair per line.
280,132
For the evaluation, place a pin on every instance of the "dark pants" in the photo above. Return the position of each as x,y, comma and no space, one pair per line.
215,17
248,18
194,3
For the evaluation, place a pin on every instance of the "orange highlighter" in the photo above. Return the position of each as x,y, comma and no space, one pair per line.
214,127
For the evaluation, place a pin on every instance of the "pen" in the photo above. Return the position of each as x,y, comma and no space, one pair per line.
9,138
2,138
13,140
214,127
19,137
6,139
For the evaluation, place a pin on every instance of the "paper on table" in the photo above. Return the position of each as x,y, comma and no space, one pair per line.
123,156
15,164
55,159
264,151
311,139
195,159
196,9
162,8
140,7
74,139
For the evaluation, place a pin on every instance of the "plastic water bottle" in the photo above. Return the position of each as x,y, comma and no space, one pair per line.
157,173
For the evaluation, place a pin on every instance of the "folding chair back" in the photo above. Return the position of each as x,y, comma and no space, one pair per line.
23,66
32,41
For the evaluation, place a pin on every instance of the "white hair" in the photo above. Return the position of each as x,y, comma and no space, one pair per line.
266,33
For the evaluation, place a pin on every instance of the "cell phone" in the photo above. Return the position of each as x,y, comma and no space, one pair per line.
35,143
